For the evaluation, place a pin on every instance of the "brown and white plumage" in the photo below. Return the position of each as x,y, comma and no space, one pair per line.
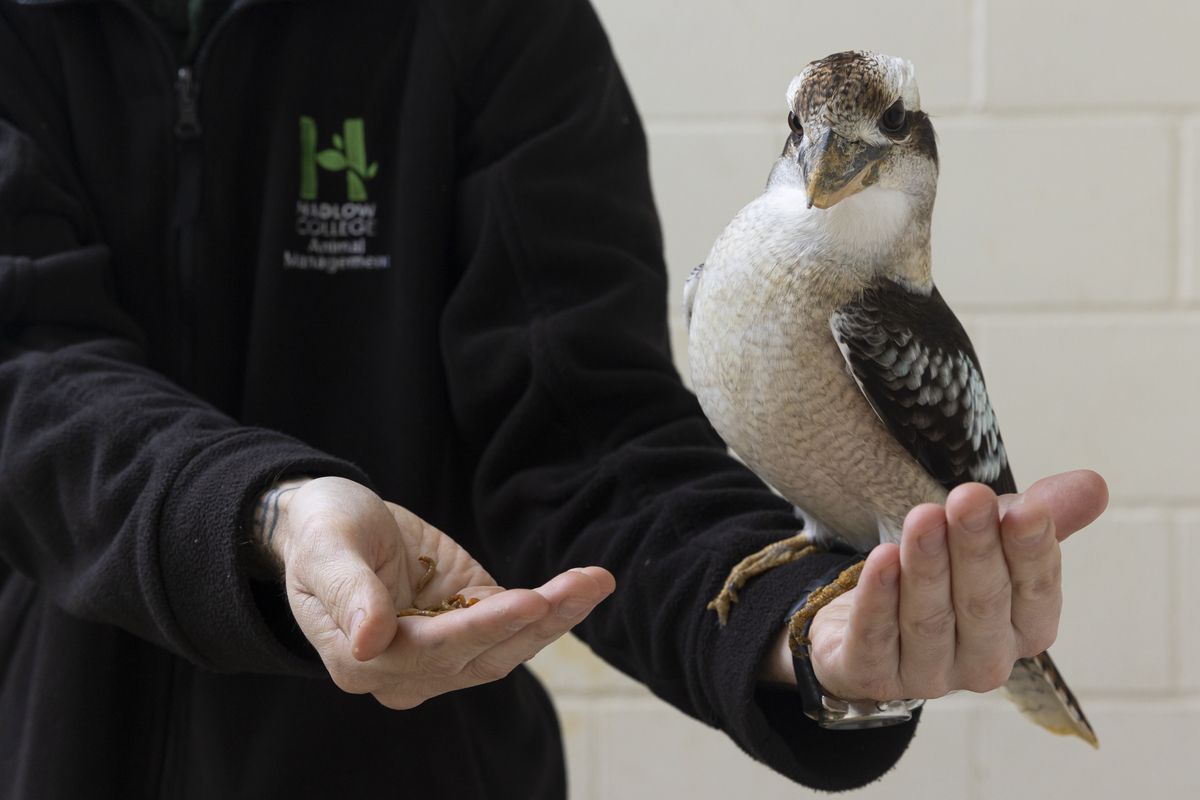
822,351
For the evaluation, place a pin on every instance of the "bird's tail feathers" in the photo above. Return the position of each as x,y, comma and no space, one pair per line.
1039,691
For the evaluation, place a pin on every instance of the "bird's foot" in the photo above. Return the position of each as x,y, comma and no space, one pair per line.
451,603
773,555
798,624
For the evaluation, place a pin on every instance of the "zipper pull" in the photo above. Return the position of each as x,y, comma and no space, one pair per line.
187,116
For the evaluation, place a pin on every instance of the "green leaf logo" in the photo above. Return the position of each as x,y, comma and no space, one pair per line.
348,154
331,160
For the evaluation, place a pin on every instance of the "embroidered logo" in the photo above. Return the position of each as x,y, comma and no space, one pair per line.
337,233
349,154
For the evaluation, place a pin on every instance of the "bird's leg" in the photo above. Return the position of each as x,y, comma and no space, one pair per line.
798,624
773,555
454,601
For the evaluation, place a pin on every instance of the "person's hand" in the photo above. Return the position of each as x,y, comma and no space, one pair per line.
970,589
350,561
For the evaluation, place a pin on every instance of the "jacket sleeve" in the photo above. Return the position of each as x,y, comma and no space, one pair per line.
121,496
589,448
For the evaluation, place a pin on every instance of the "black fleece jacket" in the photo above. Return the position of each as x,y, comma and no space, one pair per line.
409,243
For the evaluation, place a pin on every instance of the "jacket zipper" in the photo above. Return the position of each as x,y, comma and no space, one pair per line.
187,115
187,132
189,169
189,173
159,783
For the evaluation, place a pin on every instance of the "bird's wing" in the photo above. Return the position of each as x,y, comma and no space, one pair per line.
689,292
912,359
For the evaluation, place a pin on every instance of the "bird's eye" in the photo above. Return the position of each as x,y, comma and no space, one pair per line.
893,120
794,124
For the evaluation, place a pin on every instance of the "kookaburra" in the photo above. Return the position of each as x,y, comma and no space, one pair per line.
823,353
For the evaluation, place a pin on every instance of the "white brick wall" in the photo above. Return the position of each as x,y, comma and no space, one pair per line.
1037,212
1118,391
732,59
1189,216
1149,747
1116,634
1101,55
1186,612
1067,232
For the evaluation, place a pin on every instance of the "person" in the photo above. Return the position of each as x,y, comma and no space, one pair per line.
314,313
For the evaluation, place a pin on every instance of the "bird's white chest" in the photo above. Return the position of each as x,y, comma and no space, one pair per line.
772,380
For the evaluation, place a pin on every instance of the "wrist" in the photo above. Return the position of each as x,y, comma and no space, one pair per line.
776,665
827,709
269,527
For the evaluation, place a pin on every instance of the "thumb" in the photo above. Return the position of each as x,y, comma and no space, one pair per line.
372,617
1073,499
355,600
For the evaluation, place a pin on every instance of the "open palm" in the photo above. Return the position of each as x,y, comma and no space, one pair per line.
351,561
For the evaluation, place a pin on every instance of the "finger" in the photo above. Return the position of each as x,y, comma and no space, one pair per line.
445,644
575,594
926,604
869,659
981,587
579,587
1035,566
1074,499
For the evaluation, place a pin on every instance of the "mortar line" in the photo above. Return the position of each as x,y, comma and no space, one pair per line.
1186,213
977,55
1174,598
592,749
1175,189
975,749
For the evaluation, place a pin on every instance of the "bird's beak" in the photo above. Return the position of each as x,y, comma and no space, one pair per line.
836,167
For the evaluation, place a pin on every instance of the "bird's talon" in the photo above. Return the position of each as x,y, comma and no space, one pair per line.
798,639
773,555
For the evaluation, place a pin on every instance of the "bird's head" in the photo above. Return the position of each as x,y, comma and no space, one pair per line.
856,122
